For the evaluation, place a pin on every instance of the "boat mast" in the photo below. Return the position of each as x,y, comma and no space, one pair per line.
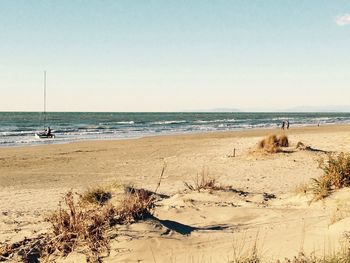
44,98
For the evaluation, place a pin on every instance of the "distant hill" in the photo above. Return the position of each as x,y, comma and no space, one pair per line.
343,108
224,110
319,109
216,110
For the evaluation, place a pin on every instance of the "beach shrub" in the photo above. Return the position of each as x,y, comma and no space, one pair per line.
80,225
321,188
137,204
83,221
26,250
342,256
336,175
97,195
272,143
283,141
74,224
337,169
204,182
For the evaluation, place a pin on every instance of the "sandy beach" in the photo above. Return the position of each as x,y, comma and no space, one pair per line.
207,226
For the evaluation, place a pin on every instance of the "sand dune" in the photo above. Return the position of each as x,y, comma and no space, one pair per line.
260,206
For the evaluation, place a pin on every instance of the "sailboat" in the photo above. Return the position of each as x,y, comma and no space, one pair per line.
46,134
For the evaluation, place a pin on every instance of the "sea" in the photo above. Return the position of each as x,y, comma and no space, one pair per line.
19,128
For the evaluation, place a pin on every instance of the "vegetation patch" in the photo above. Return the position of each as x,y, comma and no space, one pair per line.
283,141
336,169
136,205
80,225
273,143
336,175
82,222
97,195
204,182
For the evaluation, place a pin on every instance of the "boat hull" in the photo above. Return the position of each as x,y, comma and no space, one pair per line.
44,136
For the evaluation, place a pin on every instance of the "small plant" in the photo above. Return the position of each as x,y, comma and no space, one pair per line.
83,223
283,141
336,175
97,195
337,169
244,254
321,188
343,256
204,182
80,225
136,205
269,144
272,143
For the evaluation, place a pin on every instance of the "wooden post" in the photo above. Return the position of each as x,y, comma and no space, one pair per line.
234,152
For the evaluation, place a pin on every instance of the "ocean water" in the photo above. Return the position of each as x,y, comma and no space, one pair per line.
18,128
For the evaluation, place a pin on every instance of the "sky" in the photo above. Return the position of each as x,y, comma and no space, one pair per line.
149,55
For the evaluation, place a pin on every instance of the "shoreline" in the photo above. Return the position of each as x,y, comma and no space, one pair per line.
254,132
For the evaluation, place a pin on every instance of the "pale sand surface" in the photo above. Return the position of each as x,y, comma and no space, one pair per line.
196,227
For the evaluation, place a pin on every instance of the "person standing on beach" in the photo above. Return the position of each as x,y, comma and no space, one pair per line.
283,124
287,124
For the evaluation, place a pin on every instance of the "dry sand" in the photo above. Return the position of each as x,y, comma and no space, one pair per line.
193,227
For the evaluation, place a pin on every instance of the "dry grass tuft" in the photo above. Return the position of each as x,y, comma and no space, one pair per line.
80,225
337,169
341,257
283,141
269,144
204,182
321,188
75,225
97,195
83,224
137,204
253,255
28,250
246,254
272,143
336,175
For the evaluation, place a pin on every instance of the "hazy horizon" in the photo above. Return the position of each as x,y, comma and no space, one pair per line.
159,56
300,109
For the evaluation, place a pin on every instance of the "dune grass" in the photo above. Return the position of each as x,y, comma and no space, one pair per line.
204,182
273,143
283,141
336,169
340,257
82,222
80,225
136,205
97,195
336,175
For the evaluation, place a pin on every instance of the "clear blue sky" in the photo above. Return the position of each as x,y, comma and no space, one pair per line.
174,55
